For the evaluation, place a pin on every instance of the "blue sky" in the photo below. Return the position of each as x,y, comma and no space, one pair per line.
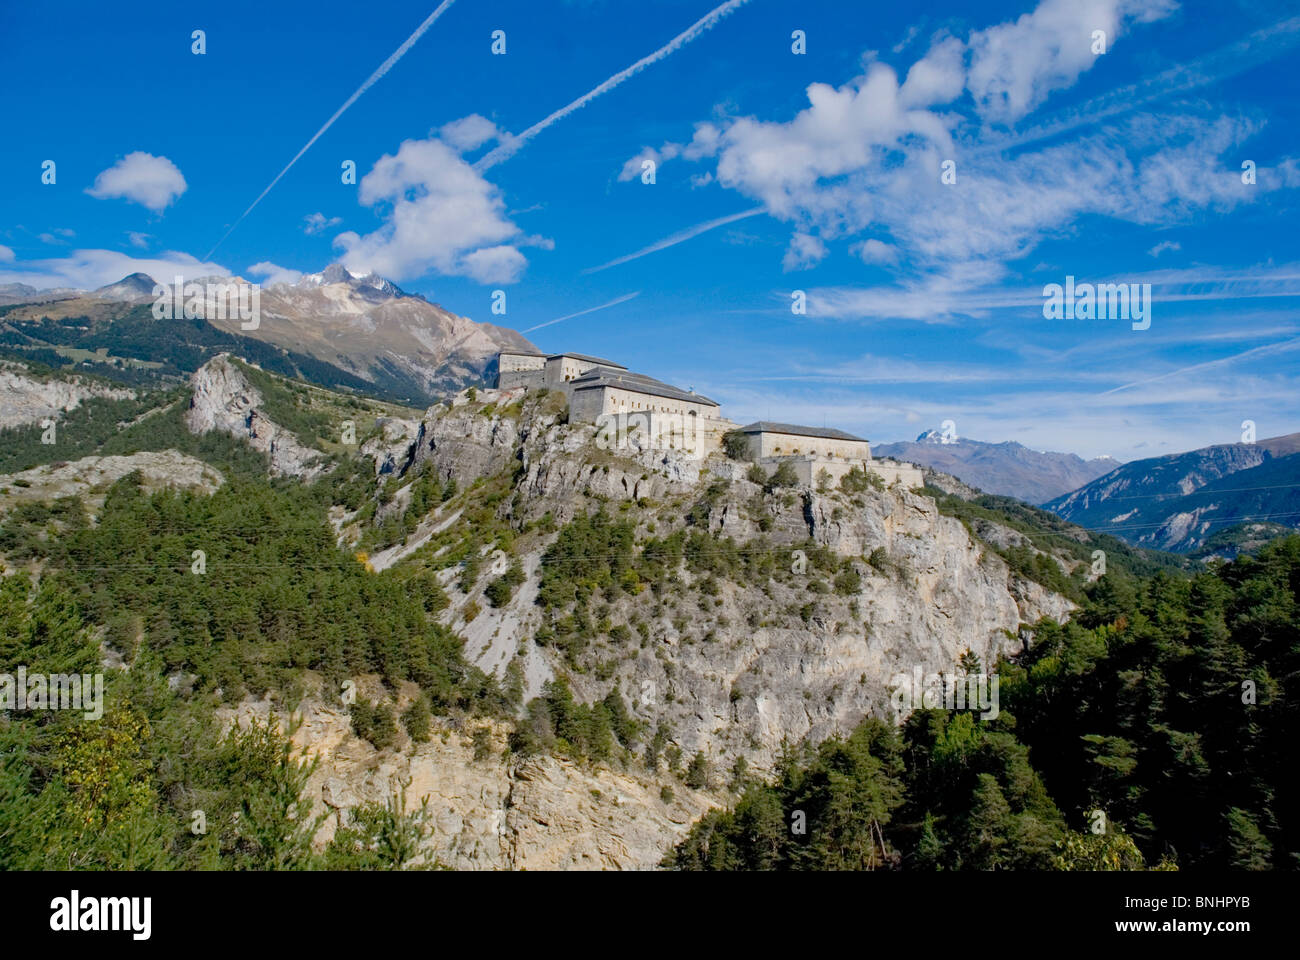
776,172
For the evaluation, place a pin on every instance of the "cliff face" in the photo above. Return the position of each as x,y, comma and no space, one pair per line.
732,668
486,813
224,400
723,664
90,477
26,398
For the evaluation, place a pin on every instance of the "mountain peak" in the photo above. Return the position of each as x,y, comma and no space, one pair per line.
134,286
936,436
1007,468
370,284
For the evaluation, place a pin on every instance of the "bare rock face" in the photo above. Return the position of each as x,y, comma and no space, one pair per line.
25,398
393,449
465,444
90,477
542,813
730,668
224,400
739,668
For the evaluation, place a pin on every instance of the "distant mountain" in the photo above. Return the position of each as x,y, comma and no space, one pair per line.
334,328
130,289
371,328
1007,469
1179,502
24,293
1243,538
123,340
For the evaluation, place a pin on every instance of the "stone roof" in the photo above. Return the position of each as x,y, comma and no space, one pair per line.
588,358
828,433
635,382
521,353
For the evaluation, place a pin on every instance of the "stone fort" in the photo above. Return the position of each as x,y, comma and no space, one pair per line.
628,405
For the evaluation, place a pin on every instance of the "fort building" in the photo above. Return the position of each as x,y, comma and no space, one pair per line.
818,453
767,439
523,368
635,410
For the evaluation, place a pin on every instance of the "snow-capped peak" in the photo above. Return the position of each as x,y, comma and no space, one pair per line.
369,284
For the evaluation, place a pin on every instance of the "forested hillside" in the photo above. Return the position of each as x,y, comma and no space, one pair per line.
588,624
1157,727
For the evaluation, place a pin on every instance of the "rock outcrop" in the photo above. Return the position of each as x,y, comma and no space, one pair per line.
26,398
488,813
733,668
90,477
224,400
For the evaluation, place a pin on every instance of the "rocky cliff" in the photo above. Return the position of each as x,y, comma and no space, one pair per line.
733,668
818,598
28,398
488,812
223,399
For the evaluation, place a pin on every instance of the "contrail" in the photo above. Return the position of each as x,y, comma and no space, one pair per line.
370,82
1266,348
623,299
678,237
510,147
1245,54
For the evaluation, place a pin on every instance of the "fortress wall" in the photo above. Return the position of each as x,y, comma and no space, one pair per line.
763,445
809,469
651,430
507,379
560,370
618,400
515,361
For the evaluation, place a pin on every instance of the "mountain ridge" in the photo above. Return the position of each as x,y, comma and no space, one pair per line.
1179,501
1007,468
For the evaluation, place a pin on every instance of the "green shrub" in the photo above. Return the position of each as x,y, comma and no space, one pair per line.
418,720
735,444
375,723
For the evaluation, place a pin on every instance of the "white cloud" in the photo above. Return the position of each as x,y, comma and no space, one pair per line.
805,251
469,133
315,223
1015,66
441,215
88,269
939,77
703,144
138,239
503,264
153,182
273,273
875,251
868,154
1164,246
633,168
6,254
